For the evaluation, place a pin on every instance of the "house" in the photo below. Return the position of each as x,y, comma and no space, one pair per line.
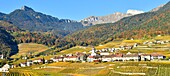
11,66
121,47
145,57
162,42
57,59
117,57
94,58
158,42
145,42
29,63
5,68
104,53
135,45
39,61
107,58
157,56
112,49
128,47
131,57
25,57
23,64
71,58
2,56
166,41
82,56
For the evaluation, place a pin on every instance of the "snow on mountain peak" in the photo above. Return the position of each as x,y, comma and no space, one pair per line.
134,12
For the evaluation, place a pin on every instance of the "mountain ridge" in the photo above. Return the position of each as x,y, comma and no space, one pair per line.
28,19
145,25
93,20
157,8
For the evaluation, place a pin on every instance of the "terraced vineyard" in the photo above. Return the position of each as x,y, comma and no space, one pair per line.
164,71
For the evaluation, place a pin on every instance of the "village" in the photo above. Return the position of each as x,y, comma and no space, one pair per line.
96,56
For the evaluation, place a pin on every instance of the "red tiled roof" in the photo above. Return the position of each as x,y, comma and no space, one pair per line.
145,54
117,55
91,56
72,56
58,57
107,56
131,55
156,54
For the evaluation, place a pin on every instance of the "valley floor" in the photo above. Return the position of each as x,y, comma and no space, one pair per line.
116,68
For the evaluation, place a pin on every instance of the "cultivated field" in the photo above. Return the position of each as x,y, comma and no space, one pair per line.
30,48
95,69
148,68
75,49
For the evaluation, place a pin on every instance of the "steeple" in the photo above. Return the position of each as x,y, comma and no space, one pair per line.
93,52
2,56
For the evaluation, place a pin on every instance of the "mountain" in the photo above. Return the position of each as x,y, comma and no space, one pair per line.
7,45
28,19
157,8
93,20
1,15
145,25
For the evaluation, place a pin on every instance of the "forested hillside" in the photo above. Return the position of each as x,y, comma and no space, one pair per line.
22,36
7,44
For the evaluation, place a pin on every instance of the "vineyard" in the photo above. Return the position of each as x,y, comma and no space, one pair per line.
29,48
18,74
95,69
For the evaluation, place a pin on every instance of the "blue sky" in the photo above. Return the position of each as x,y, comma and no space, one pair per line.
79,9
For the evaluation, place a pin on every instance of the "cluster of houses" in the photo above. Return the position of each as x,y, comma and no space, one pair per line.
103,55
5,68
156,42
31,62
96,56
122,47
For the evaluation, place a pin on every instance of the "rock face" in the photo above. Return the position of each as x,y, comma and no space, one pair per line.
92,20
145,25
157,8
25,8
